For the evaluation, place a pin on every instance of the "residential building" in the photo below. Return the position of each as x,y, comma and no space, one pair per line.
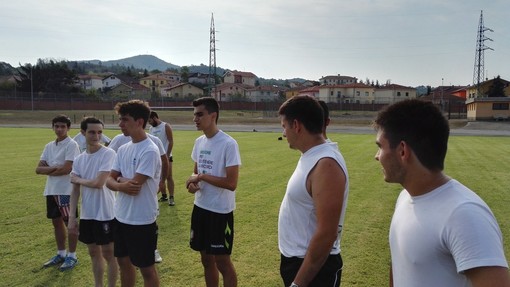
230,91
182,90
130,91
263,94
110,81
311,91
157,81
198,78
392,93
337,80
90,82
358,93
237,77
483,107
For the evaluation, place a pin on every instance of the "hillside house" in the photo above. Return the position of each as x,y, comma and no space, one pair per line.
157,81
110,81
90,82
263,94
337,80
237,77
182,90
130,91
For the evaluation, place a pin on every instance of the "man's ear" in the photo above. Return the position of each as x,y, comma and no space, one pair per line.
405,150
83,132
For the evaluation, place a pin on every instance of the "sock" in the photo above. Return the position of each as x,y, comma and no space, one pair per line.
62,253
72,254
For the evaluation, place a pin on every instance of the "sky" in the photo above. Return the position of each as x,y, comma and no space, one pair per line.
406,42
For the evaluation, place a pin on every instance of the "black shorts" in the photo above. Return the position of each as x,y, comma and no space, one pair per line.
211,232
170,159
136,241
329,275
58,206
94,231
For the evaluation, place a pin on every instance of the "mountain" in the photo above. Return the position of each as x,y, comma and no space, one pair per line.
148,62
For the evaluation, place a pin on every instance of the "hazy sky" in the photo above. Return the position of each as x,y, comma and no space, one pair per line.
406,41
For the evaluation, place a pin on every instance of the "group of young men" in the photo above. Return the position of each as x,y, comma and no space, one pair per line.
441,234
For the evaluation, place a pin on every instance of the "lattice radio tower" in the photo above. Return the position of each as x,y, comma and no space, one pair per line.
211,78
478,73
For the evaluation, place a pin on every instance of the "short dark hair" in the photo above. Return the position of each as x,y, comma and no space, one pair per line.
153,115
61,119
138,109
325,111
89,120
305,109
421,125
210,104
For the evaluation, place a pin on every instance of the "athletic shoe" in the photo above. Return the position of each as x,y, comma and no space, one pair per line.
69,264
163,198
171,201
157,257
55,260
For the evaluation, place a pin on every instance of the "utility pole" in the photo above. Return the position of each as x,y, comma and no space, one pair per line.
211,78
478,73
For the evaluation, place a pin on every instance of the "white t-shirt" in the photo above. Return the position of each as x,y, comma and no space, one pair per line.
142,158
297,220
121,139
82,141
96,203
56,154
160,132
436,236
118,141
213,156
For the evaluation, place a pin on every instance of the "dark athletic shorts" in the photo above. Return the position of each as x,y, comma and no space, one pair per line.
211,232
329,275
136,241
94,231
58,206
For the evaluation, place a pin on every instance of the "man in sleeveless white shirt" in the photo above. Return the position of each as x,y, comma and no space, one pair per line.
56,162
90,171
135,175
163,131
313,209
441,232
213,182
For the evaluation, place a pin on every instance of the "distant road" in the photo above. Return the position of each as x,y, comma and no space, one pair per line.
471,129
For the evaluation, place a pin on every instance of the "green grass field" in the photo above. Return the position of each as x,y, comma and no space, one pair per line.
26,236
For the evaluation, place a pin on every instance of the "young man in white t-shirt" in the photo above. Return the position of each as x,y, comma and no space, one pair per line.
56,162
214,181
441,232
163,131
135,175
90,171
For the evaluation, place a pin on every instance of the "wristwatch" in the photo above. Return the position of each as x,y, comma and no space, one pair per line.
293,285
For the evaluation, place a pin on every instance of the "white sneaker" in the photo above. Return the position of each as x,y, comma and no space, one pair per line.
157,257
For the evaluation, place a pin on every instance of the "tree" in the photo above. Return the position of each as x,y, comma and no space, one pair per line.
497,89
46,76
184,74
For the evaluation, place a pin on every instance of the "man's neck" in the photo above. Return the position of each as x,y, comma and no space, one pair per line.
93,148
138,136
211,132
